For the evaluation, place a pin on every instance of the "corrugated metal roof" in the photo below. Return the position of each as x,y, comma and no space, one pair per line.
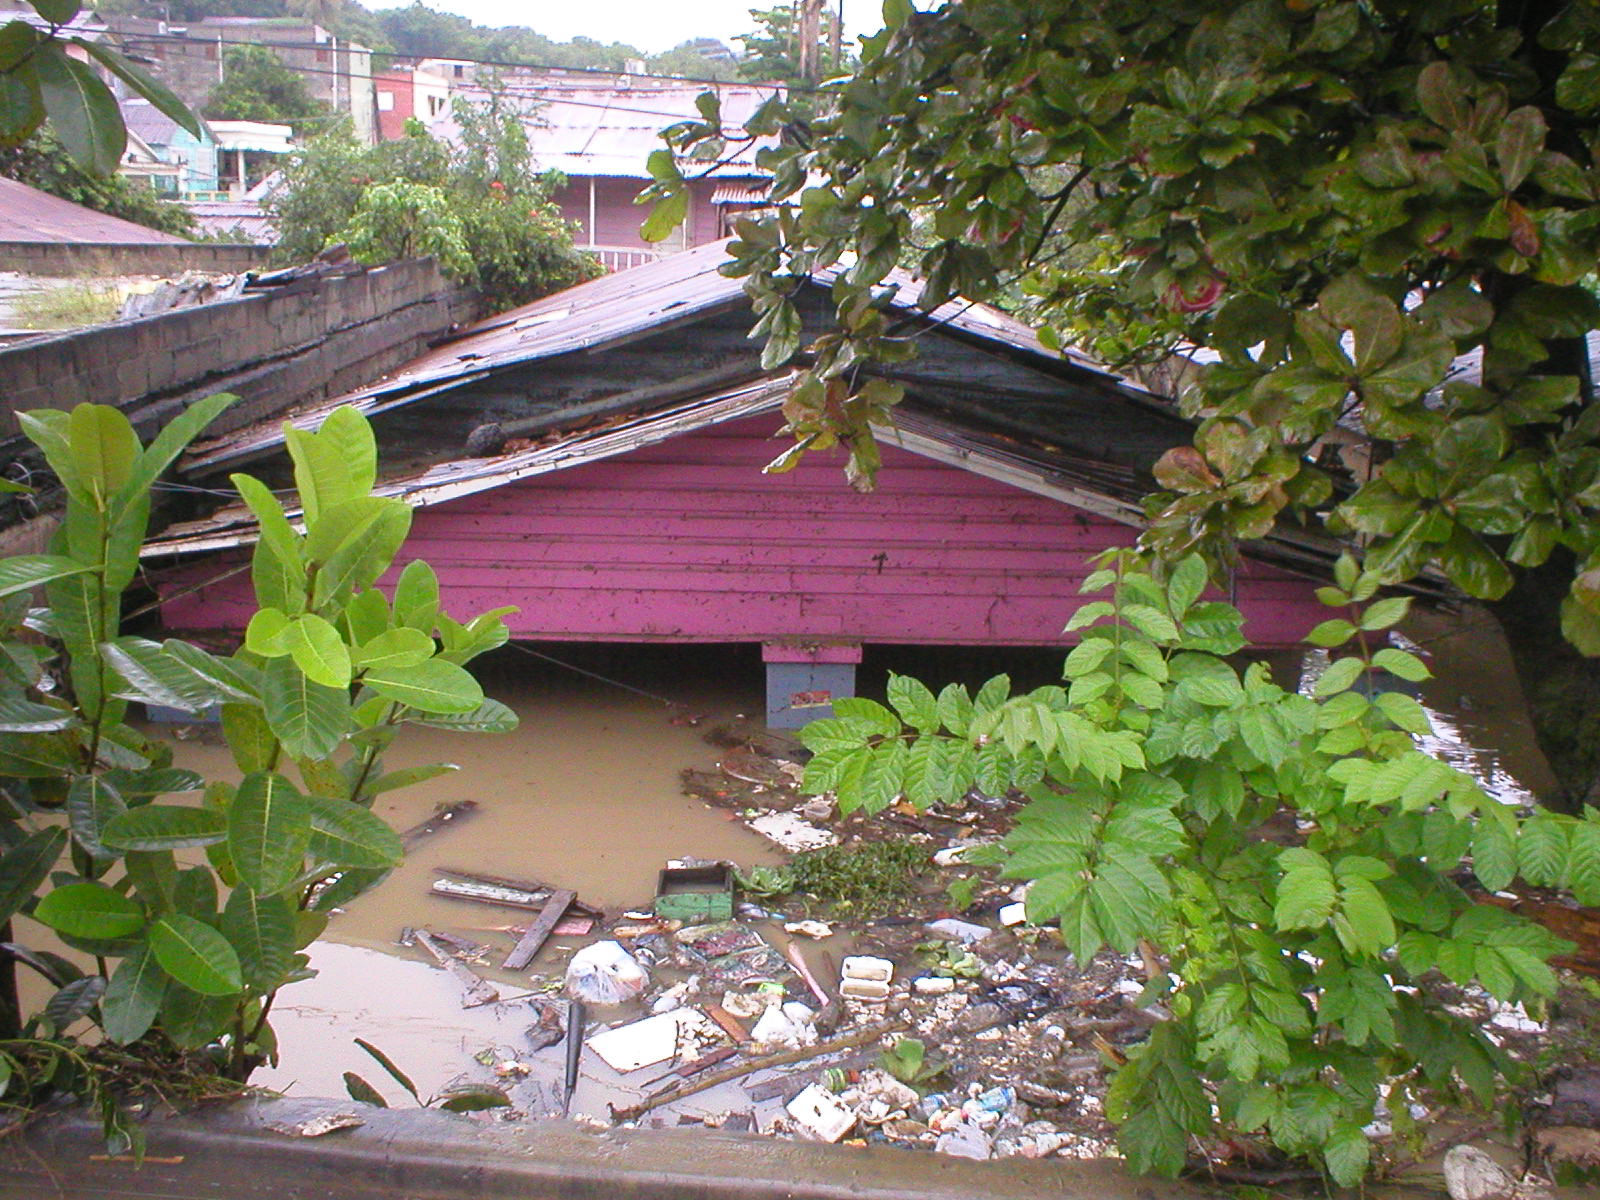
609,125
607,311
234,526
29,215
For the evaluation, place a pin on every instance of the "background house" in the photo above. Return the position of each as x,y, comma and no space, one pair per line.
598,130
179,164
595,458
188,58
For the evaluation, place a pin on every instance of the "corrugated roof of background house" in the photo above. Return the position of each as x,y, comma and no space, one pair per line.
29,215
608,125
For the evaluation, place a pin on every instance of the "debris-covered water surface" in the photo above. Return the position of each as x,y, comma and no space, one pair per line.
641,920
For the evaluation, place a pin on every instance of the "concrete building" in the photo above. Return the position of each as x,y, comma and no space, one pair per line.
188,58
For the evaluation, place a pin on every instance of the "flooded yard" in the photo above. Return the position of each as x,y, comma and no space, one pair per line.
629,757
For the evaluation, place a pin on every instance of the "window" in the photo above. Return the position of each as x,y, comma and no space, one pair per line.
385,101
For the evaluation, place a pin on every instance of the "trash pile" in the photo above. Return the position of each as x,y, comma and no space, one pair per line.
876,989
881,987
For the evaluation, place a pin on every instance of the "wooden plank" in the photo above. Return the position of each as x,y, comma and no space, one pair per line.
477,991
539,930
449,815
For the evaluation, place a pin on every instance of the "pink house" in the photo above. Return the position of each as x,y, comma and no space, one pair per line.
613,489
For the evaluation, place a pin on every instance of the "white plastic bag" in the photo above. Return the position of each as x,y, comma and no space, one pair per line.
605,973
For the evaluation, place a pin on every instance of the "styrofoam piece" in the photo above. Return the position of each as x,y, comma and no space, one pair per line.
866,966
652,1040
1014,914
820,1114
791,832
871,990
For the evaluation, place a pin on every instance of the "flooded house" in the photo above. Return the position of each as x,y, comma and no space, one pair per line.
595,459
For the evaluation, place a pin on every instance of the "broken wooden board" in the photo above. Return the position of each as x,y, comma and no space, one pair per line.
539,929
450,814
478,991
496,889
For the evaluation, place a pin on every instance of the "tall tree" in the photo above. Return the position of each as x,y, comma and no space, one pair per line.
257,86
1337,200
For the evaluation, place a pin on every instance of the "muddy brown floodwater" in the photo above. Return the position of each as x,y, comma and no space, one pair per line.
584,795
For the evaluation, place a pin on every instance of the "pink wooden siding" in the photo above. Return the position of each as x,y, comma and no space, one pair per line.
688,542
617,218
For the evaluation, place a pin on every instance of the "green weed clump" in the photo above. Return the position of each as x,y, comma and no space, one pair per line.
867,875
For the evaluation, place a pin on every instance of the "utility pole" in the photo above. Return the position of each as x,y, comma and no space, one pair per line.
808,34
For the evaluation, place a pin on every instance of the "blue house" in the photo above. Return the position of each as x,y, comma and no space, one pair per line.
173,160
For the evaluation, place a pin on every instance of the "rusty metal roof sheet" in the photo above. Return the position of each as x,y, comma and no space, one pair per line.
235,526
608,311
29,215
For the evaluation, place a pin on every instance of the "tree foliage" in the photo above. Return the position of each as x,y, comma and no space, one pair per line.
40,79
478,204
93,814
1335,200
1298,970
257,86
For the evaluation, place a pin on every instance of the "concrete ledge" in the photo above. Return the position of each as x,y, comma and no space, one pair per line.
68,259
420,1154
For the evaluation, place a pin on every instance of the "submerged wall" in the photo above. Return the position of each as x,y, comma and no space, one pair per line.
688,542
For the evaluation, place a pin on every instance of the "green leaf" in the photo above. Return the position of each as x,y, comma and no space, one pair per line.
196,955
268,829
155,677
404,647
394,1072
666,215
365,552
73,1000
406,777
89,910
1347,1154
192,1020
276,532
1402,665
309,718
91,803
1341,673
164,827
489,717
434,686
25,866
318,650
347,835
133,997
416,597
261,931
250,739
178,432
82,111
917,706
1385,613
1332,633
1494,855
1306,893
473,1097
18,715
24,572
1188,581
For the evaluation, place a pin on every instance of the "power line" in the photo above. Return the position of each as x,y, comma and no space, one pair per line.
480,62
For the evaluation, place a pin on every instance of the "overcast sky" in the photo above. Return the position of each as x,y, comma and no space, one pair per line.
651,25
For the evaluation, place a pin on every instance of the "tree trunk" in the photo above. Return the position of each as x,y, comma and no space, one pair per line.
1562,686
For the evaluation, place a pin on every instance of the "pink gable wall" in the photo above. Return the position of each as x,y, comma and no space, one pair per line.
688,542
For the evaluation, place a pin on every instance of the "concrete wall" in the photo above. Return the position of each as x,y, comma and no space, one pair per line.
281,347
66,259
